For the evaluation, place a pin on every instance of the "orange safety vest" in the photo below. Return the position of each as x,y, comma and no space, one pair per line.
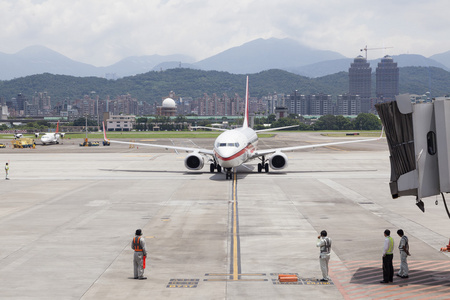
137,244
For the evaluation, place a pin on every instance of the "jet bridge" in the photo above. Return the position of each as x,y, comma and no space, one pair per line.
418,136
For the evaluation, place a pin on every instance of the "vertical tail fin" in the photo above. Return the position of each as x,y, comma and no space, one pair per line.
245,124
57,127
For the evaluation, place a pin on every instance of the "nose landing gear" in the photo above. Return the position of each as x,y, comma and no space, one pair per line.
229,174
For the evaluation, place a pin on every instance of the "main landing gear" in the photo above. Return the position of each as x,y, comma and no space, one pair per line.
213,166
263,165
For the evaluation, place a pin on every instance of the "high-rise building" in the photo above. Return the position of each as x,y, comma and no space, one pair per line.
387,79
348,104
360,77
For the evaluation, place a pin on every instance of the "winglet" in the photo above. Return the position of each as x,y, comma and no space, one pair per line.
245,124
104,132
382,131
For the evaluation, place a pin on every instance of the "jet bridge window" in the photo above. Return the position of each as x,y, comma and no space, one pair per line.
431,142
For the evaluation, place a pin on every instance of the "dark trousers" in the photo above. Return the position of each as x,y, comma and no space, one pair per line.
388,268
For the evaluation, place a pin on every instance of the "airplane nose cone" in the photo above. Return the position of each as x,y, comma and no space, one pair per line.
227,157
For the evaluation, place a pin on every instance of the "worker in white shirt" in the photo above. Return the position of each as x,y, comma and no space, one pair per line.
403,246
324,243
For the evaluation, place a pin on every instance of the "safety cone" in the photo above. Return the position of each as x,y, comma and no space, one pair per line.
287,278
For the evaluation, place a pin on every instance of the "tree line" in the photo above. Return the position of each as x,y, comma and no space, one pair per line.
363,121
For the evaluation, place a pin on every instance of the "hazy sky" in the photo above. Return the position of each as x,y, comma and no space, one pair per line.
102,32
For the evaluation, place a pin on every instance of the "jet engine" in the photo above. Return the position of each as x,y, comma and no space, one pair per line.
278,161
36,134
194,161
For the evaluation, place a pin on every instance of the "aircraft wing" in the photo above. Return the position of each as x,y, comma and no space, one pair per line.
210,128
274,129
187,149
270,151
257,131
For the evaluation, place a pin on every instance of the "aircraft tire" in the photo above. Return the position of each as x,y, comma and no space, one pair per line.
219,169
212,168
259,168
266,168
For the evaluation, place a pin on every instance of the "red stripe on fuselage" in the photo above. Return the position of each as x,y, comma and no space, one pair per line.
249,147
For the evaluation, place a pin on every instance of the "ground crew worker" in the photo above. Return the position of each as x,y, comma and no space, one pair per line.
6,171
138,245
388,255
403,246
324,243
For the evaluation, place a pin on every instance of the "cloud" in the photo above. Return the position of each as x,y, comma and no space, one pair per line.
103,32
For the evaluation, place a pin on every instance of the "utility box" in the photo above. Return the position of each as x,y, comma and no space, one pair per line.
418,136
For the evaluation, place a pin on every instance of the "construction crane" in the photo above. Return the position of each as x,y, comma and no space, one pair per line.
365,49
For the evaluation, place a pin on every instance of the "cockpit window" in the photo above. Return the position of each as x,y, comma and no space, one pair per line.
228,145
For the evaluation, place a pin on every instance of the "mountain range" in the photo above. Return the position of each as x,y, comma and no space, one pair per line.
252,57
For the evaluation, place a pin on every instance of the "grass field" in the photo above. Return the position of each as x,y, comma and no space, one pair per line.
185,135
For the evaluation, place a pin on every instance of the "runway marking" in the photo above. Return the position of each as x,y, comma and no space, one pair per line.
236,257
235,273
360,280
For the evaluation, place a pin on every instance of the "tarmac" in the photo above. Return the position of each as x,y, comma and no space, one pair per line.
68,214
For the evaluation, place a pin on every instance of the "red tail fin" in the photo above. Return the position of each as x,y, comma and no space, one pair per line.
57,127
245,124
104,133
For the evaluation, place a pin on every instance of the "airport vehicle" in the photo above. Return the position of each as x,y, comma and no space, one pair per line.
51,137
235,147
23,143
2,145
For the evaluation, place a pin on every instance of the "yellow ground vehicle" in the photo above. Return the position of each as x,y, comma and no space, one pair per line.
2,145
23,143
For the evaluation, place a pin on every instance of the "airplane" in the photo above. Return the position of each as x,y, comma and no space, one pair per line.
234,147
18,135
51,137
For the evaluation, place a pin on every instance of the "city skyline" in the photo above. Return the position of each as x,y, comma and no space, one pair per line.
357,100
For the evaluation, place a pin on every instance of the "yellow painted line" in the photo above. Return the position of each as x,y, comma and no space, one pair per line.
334,148
235,237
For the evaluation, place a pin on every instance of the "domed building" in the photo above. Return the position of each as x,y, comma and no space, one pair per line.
168,108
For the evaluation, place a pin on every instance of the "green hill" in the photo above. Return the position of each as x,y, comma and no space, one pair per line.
154,86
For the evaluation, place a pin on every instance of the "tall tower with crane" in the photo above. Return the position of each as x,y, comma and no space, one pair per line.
379,48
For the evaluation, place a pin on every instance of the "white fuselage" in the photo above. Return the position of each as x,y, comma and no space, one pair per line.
50,138
234,147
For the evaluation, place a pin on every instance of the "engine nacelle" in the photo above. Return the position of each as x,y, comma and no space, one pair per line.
36,134
278,161
194,161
